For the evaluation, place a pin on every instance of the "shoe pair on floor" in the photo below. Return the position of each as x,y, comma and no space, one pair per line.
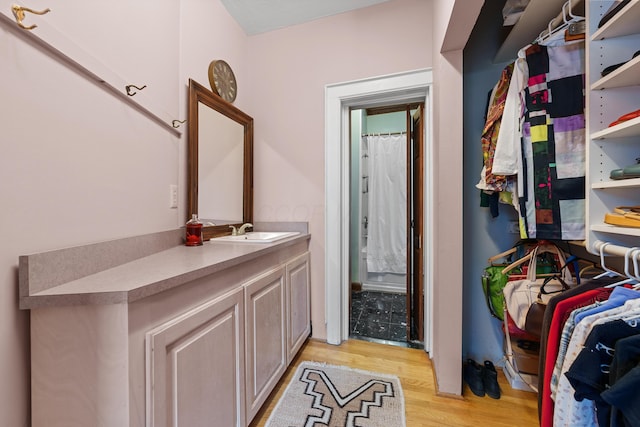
482,379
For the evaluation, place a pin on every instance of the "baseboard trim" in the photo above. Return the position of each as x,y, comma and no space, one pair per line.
439,393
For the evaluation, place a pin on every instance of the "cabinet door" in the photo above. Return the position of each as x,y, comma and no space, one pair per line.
266,338
298,304
195,366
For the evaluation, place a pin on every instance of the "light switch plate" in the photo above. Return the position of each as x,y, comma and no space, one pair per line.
173,196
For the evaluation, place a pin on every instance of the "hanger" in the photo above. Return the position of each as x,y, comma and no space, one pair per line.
518,262
548,32
574,18
589,267
542,248
636,270
607,271
630,277
577,25
568,19
501,255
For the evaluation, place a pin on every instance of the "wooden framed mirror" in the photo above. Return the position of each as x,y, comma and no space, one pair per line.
219,162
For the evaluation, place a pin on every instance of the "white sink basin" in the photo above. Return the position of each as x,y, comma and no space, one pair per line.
258,237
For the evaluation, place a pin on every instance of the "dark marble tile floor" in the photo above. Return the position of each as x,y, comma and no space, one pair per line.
379,315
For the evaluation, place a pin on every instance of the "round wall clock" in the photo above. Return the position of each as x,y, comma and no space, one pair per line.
222,80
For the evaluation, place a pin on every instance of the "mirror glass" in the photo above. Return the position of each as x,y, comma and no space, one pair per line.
219,162
220,157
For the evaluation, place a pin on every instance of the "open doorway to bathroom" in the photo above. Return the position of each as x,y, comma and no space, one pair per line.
386,260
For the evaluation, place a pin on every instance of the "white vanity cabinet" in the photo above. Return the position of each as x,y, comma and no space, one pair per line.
195,366
201,369
277,312
298,304
182,337
266,336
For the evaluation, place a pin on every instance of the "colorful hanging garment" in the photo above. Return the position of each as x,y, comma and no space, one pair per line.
491,130
552,202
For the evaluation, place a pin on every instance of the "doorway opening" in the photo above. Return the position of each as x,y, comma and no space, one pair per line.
386,218
340,98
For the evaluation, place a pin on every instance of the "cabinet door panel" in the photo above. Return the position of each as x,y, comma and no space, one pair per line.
298,304
195,366
266,338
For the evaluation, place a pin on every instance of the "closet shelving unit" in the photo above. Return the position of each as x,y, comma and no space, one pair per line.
608,98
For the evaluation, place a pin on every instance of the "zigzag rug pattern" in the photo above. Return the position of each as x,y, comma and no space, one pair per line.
321,395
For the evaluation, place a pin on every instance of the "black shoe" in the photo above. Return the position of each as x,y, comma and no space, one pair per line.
490,380
473,376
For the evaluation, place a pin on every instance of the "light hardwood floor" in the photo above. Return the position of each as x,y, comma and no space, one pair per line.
423,408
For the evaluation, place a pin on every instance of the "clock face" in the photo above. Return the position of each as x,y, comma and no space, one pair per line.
222,80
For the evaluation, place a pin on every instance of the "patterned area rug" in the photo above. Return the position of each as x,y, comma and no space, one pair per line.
337,396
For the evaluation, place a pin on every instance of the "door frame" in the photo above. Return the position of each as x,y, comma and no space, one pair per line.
415,224
406,87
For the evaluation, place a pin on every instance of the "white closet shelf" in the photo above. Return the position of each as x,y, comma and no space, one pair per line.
625,22
612,229
535,17
622,183
54,42
623,130
627,75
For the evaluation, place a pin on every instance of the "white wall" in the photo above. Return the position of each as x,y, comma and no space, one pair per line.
453,22
79,166
289,71
75,168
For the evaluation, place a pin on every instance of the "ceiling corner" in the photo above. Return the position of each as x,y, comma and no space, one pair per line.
260,16
461,22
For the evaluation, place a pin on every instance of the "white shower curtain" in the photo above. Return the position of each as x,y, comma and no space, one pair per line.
387,238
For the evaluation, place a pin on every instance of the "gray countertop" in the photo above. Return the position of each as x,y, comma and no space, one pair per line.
44,281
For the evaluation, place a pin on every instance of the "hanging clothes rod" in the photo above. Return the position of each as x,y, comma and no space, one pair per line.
610,248
383,133
628,253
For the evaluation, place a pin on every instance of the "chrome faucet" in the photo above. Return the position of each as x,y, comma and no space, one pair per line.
243,228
